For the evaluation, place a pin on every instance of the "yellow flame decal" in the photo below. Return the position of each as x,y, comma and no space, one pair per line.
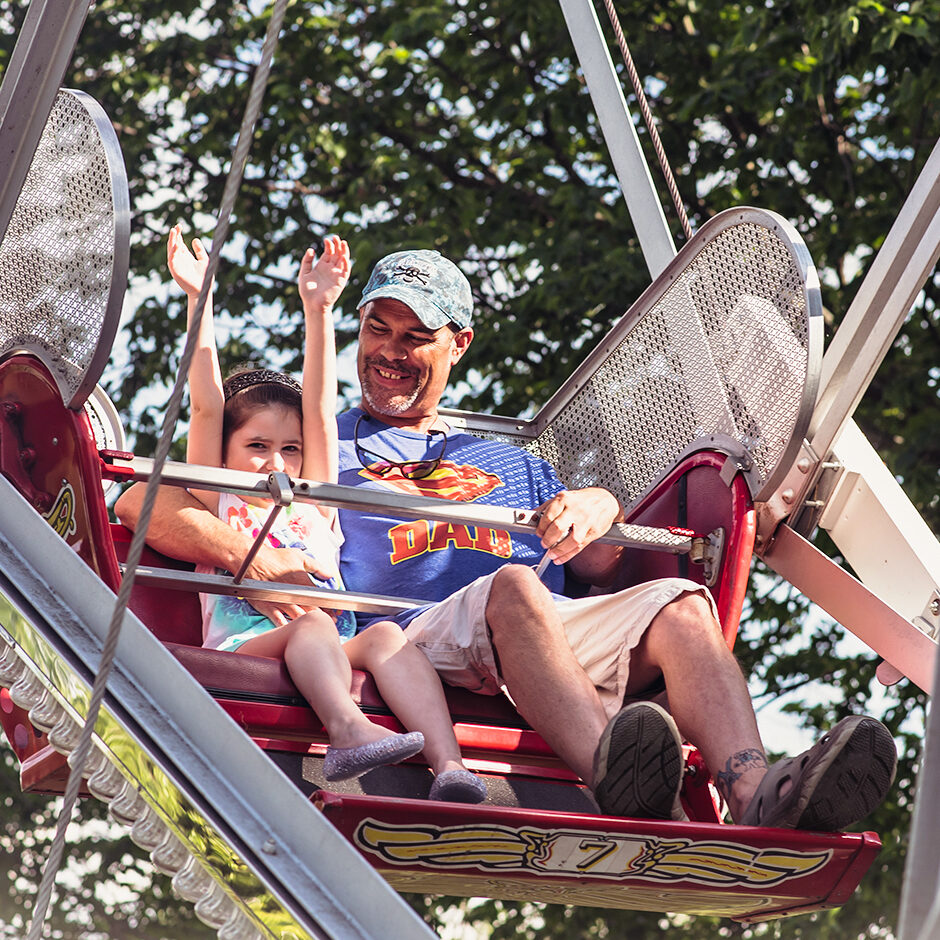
457,846
62,515
725,863
573,852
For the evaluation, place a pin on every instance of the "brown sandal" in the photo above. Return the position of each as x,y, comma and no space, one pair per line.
834,784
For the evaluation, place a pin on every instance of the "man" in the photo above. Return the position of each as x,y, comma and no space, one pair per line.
567,664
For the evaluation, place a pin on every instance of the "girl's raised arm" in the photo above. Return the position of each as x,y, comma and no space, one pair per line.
204,444
321,281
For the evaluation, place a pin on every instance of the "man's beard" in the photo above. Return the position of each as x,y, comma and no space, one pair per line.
381,401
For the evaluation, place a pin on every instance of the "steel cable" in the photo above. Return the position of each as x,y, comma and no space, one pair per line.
648,118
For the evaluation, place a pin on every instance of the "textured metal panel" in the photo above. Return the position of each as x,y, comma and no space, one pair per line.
721,352
63,260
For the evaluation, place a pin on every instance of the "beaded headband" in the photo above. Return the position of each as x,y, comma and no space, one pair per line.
252,377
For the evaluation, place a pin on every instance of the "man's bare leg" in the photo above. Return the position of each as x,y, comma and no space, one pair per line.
708,697
837,782
549,687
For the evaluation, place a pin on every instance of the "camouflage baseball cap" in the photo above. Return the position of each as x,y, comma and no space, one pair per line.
431,285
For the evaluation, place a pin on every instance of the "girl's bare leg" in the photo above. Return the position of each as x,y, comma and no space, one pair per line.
318,664
410,687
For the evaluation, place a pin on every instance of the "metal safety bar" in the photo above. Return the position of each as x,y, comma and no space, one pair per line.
282,494
127,468
704,550
305,595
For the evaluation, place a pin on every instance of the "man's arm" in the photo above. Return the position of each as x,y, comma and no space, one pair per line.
571,521
183,528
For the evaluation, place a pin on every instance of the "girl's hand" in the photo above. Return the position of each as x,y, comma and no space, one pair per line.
188,269
322,281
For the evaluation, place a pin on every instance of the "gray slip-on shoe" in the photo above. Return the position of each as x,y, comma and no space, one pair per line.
346,763
458,786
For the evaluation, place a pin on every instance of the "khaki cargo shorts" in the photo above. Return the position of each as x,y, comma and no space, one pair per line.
602,630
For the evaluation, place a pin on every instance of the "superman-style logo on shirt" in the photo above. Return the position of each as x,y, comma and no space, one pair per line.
459,482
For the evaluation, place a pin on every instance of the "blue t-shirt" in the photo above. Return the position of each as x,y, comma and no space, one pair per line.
432,560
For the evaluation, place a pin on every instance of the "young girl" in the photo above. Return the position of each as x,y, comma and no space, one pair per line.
261,421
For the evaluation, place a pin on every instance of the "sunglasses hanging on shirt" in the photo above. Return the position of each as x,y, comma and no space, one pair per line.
409,469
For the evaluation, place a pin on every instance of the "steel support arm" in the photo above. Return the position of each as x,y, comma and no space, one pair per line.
882,535
884,299
849,602
630,165
920,902
905,261
38,64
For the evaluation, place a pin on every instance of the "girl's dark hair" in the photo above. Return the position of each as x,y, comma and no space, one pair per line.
247,390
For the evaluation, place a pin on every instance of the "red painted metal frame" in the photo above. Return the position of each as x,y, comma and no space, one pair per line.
62,451
742,872
288,726
65,454
272,721
61,467
710,504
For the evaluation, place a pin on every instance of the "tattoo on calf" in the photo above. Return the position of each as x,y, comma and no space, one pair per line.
738,764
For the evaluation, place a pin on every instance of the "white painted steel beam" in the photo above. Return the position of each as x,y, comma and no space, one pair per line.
852,604
881,535
906,259
630,165
869,517
920,902
40,58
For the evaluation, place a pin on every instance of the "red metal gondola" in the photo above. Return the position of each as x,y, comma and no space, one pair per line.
752,368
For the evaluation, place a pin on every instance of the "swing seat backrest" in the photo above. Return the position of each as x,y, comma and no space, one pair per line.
720,355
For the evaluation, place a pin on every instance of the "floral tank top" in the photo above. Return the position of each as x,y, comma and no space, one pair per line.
227,622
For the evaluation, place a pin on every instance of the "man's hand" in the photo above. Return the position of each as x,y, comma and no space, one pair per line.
289,565
571,521
574,518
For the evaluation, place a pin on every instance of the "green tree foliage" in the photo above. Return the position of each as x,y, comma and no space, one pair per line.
463,125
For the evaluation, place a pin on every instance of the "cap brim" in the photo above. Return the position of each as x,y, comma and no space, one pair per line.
430,315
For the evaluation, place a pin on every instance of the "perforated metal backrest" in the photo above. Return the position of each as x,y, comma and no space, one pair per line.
722,352
64,257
